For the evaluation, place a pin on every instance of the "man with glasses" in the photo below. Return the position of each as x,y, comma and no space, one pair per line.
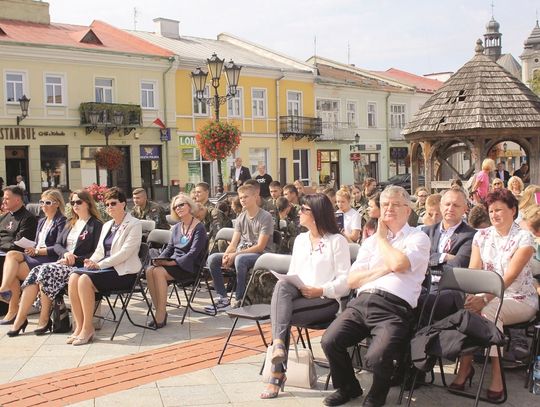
252,237
17,222
387,275
143,208
501,173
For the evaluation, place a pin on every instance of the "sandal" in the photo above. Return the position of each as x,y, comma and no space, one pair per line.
279,382
279,353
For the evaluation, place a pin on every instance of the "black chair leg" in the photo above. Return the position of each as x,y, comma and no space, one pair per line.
227,341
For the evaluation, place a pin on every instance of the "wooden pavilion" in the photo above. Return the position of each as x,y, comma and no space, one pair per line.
478,109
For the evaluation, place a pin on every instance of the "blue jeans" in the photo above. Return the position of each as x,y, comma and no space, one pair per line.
242,263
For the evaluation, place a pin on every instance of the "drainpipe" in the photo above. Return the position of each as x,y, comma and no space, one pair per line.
172,61
387,107
278,151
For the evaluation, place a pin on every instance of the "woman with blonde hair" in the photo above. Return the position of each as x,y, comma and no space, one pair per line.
516,186
527,201
76,242
17,264
352,222
481,181
181,258
496,184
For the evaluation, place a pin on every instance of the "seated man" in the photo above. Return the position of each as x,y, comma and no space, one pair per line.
287,227
451,243
146,209
214,219
252,237
17,222
388,275
432,213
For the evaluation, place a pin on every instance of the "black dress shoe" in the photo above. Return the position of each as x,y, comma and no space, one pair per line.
377,394
342,396
7,321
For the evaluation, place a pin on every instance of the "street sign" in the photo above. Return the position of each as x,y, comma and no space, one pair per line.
355,156
165,134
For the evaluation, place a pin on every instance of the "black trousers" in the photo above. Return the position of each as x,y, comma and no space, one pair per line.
387,319
3,305
450,302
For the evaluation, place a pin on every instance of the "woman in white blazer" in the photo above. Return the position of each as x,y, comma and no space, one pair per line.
113,266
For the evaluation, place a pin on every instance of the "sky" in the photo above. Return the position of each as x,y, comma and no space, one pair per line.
419,36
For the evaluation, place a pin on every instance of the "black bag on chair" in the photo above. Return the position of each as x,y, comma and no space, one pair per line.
60,316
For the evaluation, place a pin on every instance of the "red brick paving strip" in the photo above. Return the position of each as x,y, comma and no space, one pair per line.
110,376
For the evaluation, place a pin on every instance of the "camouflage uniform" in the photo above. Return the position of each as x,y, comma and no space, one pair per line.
214,221
152,211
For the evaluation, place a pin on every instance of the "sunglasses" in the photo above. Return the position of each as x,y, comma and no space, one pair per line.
180,205
305,209
46,203
111,204
77,202
422,196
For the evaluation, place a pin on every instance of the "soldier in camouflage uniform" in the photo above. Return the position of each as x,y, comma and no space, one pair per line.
214,219
286,222
369,188
145,209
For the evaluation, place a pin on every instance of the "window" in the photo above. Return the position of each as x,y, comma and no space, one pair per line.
234,104
301,165
328,111
148,95
258,97
257,156
294,103
352,115
54,90
201,108
397,116
54,167
372,115
104,90
14,86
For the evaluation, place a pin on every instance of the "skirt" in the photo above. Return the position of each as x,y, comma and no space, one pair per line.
179,274
52,278
109,280
38,260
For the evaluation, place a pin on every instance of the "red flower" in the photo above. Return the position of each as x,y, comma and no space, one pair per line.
216,140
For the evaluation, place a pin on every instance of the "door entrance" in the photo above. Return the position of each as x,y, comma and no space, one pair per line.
17,164
329,173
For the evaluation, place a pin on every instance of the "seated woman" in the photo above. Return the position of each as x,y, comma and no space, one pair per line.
351,218
113,266
322,261
516,186
181,258
506,249
76,242
373,212
17,264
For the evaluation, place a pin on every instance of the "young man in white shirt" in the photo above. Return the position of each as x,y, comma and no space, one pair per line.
387,275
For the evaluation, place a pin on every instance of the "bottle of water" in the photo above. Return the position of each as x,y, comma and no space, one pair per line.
536,377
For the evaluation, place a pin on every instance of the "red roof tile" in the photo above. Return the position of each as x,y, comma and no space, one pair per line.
68,35
421,83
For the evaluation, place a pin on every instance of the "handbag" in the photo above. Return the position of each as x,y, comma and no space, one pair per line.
300,367
60,316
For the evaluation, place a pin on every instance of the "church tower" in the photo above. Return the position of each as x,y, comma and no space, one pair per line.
531,55
492,40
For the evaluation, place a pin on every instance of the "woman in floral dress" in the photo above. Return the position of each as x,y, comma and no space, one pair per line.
506,249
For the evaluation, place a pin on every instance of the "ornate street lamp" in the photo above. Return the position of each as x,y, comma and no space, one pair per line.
24,102
215,67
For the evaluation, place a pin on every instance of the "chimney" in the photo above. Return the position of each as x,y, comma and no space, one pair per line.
167,27
26,10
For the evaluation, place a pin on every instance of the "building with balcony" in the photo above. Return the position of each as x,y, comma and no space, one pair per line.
362,115
273,107
72,74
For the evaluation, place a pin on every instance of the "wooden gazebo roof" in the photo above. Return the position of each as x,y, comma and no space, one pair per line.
481,98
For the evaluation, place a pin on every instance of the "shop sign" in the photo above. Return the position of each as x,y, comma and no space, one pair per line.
187,142
355,156
27,133
372,147
319,160
149,152
165,134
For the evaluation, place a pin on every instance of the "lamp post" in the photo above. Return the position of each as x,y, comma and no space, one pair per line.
199,77
24,102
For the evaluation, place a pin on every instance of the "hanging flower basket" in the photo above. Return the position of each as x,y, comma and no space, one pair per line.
110,158
217,140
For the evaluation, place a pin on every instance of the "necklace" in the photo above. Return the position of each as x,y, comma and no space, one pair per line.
184,239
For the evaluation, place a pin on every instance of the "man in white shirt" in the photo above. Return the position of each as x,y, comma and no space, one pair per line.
388,275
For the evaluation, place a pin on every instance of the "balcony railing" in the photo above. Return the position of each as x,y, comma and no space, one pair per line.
299,127
339,131
131,114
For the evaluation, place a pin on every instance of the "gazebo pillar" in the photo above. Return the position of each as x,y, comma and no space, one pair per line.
534,160
414,165
428,162
477,153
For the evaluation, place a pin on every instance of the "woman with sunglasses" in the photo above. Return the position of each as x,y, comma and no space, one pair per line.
76,242
17,264
321,259
181,258
496,184
113,266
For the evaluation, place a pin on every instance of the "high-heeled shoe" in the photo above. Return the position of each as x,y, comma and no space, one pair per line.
279,353
461,386
45,329
83,341
495,396
7,321
158,325
279,382
70,339
15,332
5,296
